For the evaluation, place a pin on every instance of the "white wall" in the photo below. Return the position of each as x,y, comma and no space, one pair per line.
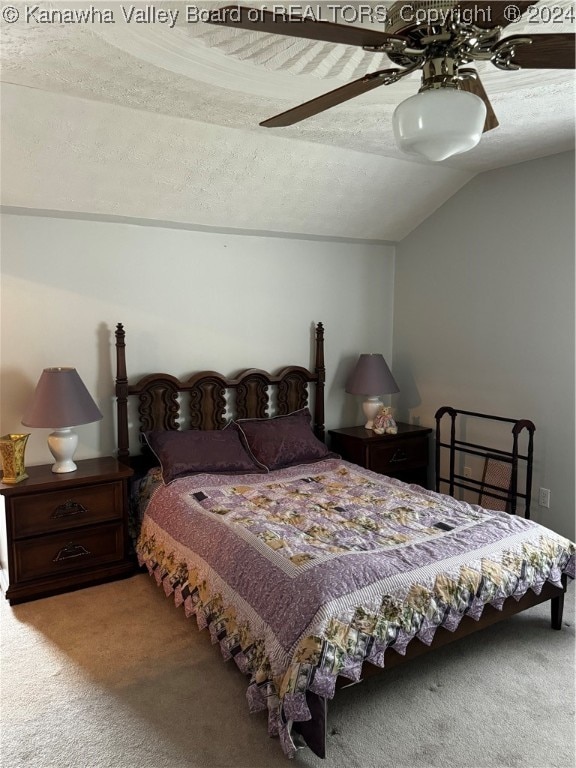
188,300
484,314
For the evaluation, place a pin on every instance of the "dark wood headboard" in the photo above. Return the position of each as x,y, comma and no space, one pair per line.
201,402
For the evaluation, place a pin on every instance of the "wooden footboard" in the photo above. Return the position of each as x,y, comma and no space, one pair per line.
314,731
468,626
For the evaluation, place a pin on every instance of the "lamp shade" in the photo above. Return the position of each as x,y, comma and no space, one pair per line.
439,122
61,400
371,376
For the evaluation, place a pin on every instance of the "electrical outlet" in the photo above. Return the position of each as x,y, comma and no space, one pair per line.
467,472
544,498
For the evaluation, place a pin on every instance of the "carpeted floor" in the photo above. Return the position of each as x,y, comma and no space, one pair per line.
116,677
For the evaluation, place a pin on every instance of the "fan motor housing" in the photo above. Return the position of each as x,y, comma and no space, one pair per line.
435,26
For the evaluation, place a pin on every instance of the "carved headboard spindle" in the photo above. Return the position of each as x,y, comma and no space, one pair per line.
207,400
252,395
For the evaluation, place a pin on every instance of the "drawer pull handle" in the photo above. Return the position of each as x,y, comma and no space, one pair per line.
71,550
399,456
68,509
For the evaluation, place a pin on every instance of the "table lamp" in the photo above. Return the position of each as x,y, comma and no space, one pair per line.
61,401
372,378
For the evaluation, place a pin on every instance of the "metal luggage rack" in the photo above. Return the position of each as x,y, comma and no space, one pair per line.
496,462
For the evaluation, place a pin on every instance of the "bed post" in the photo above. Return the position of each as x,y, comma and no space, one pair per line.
320,371
557,605
122,395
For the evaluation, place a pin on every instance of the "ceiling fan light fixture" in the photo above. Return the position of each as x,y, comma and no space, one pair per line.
439,122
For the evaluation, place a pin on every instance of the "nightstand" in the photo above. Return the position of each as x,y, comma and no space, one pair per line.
60,532
403,456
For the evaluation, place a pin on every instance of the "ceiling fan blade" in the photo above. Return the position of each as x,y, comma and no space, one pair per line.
546,51
332,98
474,85
486,14
257,20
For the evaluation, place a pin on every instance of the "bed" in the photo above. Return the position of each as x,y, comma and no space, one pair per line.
308,571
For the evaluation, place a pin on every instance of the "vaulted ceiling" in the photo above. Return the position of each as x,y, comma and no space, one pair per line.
202,90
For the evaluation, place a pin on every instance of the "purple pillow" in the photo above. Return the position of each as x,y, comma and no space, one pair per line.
283,441
192,451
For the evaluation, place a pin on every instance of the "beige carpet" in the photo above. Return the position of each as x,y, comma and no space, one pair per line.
116,677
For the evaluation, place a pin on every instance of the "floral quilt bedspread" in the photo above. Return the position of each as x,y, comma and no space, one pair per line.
303,574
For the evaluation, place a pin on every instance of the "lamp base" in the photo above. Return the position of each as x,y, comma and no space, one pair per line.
370,407
63,444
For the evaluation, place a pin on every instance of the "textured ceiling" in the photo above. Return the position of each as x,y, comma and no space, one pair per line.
234,79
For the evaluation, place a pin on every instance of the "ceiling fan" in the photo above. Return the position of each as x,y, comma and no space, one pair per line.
438,37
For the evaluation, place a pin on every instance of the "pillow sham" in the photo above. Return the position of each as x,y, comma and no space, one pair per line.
192,451
283,441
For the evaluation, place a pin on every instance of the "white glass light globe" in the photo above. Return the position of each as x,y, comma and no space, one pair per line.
439,123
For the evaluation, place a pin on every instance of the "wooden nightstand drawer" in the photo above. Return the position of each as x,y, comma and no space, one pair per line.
56,510
69,551
400,455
